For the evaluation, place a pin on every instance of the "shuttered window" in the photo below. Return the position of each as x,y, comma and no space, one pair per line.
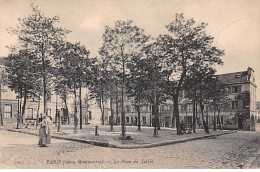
8,111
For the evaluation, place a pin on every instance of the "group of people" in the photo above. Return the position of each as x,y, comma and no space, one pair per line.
183,129
44,132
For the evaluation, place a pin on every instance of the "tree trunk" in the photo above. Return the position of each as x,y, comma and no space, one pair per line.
20,110
24,105
138,118
80,109
103,110
112,114
123,86
207,115
56,117
38,110
59,120
66,106
205,126
43,73
44,96
196,105
117,113
214,120
86,118
155,132
176,112
219,120
194,117
155,115
75,110
158,116
18,115
173,115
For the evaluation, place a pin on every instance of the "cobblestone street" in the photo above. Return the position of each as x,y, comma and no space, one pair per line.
227,151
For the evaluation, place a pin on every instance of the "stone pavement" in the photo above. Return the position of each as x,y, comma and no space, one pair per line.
106,138
230,151
253,161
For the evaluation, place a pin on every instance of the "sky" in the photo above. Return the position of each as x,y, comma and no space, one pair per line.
234,24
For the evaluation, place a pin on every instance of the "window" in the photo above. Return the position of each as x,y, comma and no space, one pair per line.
188,120
128,108
133,108
144,119
237,89
239,75
183,107
234,89
229,90
190,107
147,109
166,107
234,104
8,111
29,113
127,120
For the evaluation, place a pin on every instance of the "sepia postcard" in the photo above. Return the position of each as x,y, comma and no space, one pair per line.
129,84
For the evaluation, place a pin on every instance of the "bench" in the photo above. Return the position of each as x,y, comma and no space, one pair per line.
30,122
187,130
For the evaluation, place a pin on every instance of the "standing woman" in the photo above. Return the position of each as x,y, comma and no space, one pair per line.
44,132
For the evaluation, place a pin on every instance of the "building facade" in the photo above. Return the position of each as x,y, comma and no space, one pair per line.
239,112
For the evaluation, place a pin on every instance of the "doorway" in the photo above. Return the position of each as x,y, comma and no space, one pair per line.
240,123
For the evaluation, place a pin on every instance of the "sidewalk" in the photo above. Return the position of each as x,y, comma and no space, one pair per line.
143,139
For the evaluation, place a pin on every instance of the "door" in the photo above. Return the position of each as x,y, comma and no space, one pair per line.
167,122
240,123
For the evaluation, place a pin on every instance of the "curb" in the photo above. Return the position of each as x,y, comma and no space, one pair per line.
105,144
168,142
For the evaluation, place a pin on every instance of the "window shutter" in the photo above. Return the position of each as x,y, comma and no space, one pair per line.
229,90
240,104
230,105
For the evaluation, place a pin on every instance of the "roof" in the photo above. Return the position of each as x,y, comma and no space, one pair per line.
232,78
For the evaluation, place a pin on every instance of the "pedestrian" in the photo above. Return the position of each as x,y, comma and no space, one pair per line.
44,132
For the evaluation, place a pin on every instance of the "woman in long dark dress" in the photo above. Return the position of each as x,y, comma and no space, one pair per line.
44,132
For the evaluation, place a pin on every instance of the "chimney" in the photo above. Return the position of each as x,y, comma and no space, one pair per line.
249,73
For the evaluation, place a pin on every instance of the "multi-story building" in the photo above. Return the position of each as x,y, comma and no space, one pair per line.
239,111
241,90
